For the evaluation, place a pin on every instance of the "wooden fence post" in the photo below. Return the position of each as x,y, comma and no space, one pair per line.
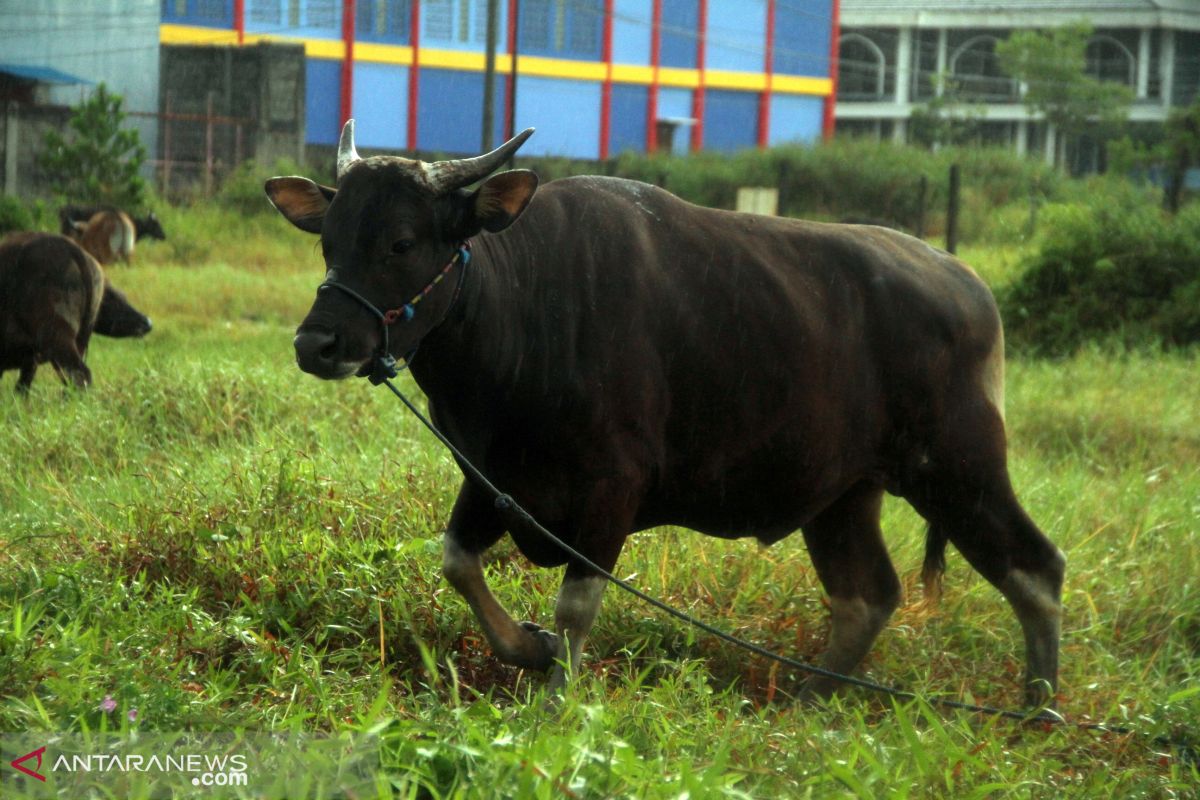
166,146
952,211
208,147
922,200
11,143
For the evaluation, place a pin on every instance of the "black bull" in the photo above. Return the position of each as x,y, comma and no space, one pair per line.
621,359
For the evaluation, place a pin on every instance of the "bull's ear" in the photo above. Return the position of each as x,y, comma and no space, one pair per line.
300,200
500,200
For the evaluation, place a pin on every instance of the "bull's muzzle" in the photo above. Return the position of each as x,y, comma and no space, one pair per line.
320,352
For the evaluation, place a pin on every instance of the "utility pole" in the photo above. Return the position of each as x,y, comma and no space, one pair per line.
489,75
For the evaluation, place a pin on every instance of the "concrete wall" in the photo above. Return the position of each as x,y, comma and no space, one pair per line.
110,41
263,84
22,129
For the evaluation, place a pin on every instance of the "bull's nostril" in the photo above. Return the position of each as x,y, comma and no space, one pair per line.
315,344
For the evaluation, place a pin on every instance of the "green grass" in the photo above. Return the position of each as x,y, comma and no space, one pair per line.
221,542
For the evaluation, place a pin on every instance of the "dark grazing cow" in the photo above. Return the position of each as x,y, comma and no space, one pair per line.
147,227
620,359
53,296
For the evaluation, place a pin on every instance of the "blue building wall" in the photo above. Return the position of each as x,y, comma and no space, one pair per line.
380,105
314,19
453,25
730,120
680,20
561,100
632,23
205,13
566,114
451,104
560,29
383,21
736,36
321,89
803,36
795,118
629,106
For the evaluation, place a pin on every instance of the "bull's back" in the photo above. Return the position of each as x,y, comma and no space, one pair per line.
711,284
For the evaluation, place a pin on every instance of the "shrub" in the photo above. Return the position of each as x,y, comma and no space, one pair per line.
845,178
242,190
1114,269
14,216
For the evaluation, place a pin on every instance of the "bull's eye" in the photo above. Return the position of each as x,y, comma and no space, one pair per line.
401,246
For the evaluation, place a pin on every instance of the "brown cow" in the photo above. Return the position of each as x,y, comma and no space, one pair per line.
617,359
147,227
109,236
53,296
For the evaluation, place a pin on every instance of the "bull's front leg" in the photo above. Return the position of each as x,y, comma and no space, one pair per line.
522,645
474,526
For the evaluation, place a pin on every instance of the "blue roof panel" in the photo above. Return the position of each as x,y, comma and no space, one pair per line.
40,74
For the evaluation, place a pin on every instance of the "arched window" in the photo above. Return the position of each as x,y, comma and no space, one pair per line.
1109,60
861,67
976,71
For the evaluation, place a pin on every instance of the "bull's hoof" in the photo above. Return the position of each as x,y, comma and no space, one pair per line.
1040,696
816,691
547,646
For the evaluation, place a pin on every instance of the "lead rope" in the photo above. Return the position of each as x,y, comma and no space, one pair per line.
504,502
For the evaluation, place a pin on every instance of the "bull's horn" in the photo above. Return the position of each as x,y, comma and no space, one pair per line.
346,155
446,176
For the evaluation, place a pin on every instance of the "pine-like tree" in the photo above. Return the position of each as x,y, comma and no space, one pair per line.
98,161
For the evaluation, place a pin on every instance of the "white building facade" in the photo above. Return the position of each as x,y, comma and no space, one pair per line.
892,53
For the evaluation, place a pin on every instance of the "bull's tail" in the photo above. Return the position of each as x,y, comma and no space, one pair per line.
935,561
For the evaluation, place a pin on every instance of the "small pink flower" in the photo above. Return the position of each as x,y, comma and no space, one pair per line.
108,704
132,714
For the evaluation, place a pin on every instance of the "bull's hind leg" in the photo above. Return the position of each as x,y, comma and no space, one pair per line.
574,613
25,378
964,491
846,547
65,350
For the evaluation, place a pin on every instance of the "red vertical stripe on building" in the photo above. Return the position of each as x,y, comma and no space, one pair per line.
606,86
239,20
831,101
510,79
652,92
764,99
414,73
347,94
698,95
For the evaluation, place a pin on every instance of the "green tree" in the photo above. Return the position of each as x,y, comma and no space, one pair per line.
1183,149
1052,64
945,120
98,161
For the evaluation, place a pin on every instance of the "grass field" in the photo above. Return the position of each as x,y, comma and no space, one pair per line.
218,541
